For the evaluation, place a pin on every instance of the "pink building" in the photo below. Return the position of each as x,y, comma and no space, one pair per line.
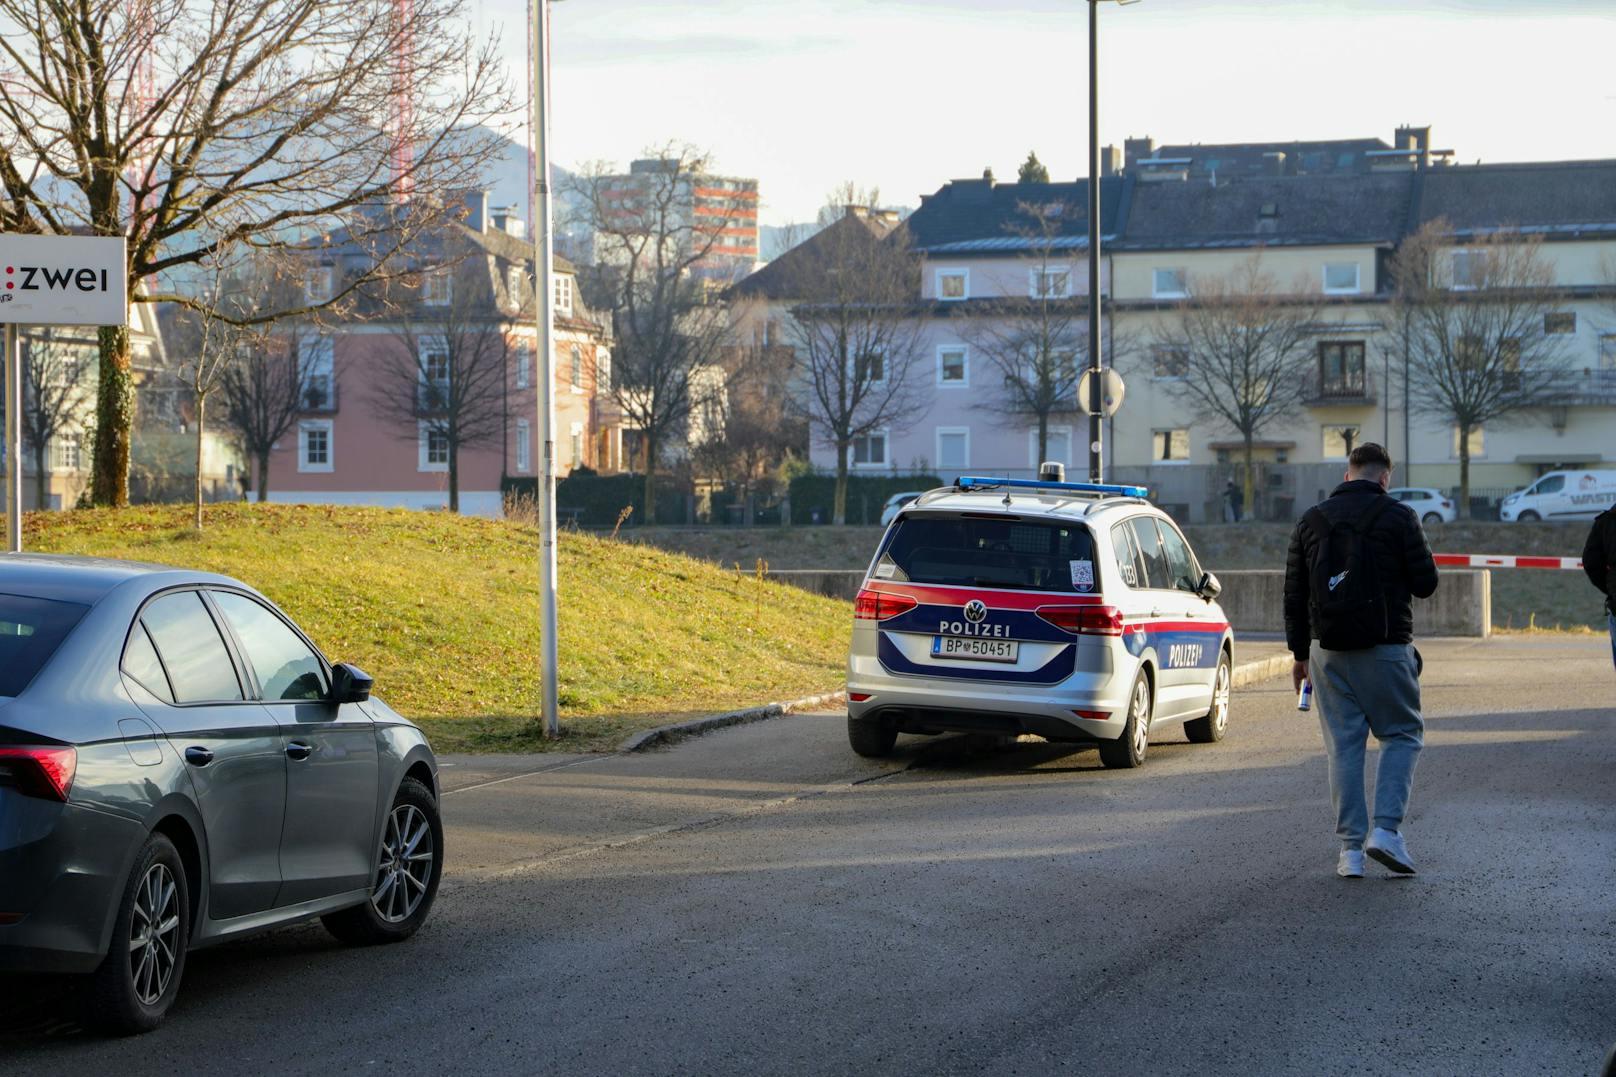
436,383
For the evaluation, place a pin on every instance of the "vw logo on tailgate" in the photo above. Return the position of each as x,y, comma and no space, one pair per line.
976,611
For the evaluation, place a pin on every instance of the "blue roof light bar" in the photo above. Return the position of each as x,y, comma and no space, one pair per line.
979,482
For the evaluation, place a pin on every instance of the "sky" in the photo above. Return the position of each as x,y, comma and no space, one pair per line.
905,95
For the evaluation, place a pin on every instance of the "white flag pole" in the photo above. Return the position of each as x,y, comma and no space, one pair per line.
544,276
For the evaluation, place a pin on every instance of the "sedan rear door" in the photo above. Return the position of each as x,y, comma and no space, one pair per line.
330,839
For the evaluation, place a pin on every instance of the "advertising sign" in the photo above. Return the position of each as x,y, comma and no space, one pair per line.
63,280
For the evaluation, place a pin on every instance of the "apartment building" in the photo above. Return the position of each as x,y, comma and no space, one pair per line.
1324,227
378,386
720,213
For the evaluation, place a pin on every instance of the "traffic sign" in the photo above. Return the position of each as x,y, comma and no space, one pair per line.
1111,389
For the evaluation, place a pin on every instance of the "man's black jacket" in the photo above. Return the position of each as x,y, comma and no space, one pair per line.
1599,556
1403,564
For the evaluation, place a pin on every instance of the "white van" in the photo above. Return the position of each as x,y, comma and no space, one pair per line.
1562,495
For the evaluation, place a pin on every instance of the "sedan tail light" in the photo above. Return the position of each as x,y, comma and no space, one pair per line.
45,772
878,605
1447,504
1084,620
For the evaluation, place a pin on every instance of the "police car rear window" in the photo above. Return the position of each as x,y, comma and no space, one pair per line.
30,631
1029,555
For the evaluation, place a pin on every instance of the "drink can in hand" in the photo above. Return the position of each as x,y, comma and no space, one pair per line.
1304,699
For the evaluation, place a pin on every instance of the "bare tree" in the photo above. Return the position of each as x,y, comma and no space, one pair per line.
858,339
659,240
760,426
444,381
191,126
263,393
211,337
1473,315
55,394
1240,349
1035,338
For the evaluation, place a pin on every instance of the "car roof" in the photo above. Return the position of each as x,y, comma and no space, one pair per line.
1025,502
86,580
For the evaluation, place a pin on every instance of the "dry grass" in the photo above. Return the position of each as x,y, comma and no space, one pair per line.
443,612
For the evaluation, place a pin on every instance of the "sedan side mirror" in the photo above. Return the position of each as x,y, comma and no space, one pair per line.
1209,587
349,684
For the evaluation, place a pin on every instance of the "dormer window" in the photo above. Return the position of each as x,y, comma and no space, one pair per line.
1050,283
563,294
1169,283
514,282
319,283
953,284
1341,278
437,288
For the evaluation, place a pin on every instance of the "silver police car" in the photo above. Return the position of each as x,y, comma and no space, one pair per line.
1074,611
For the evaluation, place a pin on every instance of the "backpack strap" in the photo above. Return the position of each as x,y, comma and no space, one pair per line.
1365,522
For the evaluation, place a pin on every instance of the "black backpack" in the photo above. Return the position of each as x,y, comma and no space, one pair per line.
1348,603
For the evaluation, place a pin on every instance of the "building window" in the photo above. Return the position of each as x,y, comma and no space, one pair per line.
1560,322
524,364
1469,269
1170,446
314,448
953,447
577,367
1057,446
1170,363
514,283
1341,368
576,445
870,450
1169,283
953,284
319,283
1050,283
432,452
315,365
1478,442
1341,278
434,366
603,369
1337,442
437,288
563,294
67,451
951,368
524,446
871,367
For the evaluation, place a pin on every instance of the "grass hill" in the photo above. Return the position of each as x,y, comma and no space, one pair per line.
443,611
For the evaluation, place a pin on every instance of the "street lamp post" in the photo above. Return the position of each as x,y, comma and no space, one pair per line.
1096,401
544,280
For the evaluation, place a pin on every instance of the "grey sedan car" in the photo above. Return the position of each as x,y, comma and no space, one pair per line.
180,766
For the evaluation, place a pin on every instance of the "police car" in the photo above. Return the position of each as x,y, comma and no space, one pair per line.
1074,611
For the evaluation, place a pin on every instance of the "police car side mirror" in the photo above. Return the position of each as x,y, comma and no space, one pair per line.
1209,587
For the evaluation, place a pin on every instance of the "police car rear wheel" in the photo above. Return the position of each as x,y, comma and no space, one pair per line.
1210,727
1128,750
871,737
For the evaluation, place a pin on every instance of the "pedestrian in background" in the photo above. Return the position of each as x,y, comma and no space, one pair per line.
1357,560
1599,562
1235,500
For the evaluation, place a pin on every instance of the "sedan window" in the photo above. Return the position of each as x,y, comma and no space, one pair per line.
30,631
192,650
287,667
140,661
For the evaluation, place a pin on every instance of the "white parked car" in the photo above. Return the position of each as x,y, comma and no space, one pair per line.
896,502
1431,506
1072,611
1562,495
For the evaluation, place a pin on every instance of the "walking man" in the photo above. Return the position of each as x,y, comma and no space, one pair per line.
1234,500
1599,562
1357,560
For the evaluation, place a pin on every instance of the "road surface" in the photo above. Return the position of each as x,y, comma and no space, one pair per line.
759,901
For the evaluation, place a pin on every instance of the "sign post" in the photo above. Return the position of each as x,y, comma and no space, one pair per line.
51,280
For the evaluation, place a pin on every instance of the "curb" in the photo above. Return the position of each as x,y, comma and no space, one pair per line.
1248,673
664,735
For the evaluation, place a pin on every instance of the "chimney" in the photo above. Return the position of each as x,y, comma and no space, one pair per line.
1110,161
508,219
1415,138
477,211
1136,150
1274,163
861,212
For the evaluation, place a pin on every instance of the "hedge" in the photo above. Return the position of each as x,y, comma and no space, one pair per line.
597,499
866,494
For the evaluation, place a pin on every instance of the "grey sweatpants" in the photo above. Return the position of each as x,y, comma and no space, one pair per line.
1361,692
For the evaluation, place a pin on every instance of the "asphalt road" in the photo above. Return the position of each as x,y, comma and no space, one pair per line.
759,901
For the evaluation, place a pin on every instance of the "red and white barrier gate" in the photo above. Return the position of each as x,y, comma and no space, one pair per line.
1489,560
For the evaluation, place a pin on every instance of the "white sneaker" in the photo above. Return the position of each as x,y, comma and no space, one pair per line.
1350,866
1387,847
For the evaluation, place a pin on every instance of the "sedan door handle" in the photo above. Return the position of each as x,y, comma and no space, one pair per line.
298,750
198,756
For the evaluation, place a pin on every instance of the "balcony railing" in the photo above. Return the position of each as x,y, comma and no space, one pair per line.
1586,386
1326,390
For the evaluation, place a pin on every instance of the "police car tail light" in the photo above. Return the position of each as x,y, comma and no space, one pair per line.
1084,620
878,605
